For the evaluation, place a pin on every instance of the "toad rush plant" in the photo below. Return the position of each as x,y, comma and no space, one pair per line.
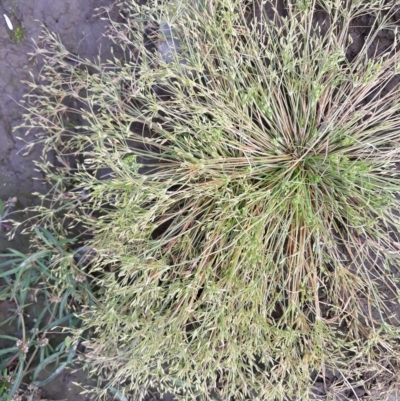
241,193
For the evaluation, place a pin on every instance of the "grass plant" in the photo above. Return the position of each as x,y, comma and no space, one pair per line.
242,197
39,349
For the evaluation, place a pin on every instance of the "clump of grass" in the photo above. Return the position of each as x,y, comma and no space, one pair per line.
250,201
35,348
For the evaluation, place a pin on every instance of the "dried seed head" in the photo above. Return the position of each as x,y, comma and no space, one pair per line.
80,278
55,299
44,342
32,388
23,346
